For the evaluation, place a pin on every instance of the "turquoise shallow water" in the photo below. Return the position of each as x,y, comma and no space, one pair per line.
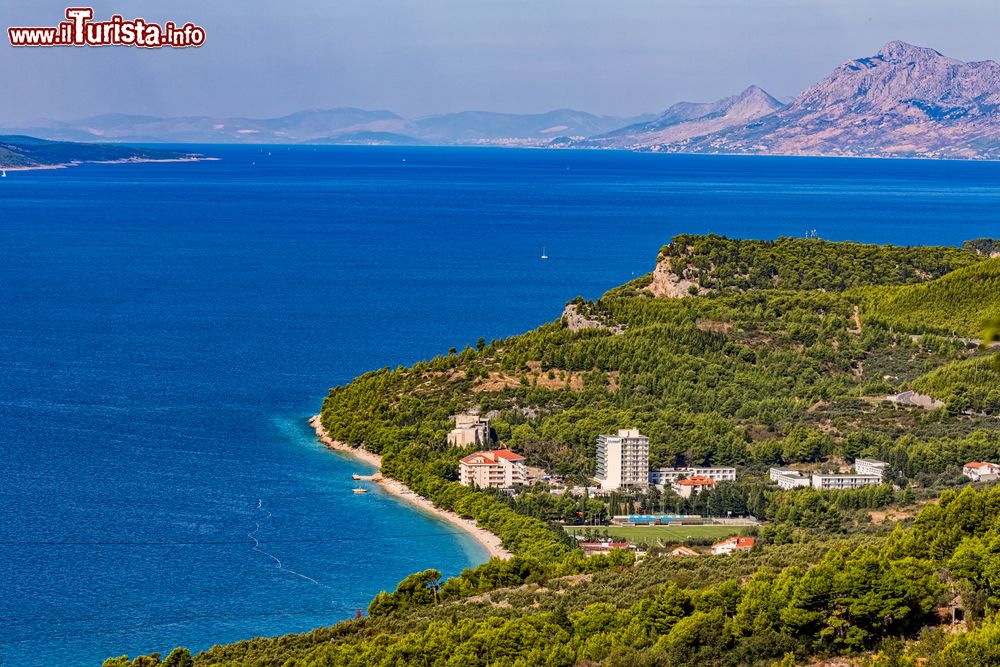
166,329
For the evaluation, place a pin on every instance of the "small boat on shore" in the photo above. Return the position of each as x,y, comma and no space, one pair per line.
359,490
355,476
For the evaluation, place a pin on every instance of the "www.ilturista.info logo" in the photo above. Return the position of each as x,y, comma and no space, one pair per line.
79,29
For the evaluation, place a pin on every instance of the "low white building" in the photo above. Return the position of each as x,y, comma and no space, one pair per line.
841,482
717,473
493,469
870,467
664,476
732,545
981,472
690,486
786,478
469,430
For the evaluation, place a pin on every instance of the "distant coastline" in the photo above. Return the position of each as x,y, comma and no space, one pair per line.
488,540
871,106
77,163
19,152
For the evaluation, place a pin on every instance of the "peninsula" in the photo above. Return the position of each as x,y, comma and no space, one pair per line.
23,152
719,474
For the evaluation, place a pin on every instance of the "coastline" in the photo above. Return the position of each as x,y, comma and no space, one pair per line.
488,540
67,165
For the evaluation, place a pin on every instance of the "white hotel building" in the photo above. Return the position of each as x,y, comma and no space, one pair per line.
786,478
623,460
867,472
870,467
840,482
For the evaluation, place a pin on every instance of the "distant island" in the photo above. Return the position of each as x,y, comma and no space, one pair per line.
904,101
717,463
22,152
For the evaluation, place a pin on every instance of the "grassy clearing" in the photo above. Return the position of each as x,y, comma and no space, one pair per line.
664,534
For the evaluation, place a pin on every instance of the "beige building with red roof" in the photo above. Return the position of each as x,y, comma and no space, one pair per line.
686,488
684,551
493,469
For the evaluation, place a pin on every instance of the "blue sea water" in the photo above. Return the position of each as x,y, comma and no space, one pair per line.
166,329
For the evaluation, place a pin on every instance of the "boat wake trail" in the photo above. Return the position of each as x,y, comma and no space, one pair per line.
277,561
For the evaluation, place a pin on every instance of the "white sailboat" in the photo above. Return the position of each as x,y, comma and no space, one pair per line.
544,256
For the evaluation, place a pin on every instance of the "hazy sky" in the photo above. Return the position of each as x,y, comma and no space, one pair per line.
428,56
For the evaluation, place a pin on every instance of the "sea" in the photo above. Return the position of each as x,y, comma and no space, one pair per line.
167,329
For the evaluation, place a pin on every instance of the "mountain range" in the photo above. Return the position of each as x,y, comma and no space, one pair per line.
333,126
904,101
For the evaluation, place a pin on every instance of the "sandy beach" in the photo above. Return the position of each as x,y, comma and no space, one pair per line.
489,541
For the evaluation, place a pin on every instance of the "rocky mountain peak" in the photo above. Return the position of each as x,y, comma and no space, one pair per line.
753,90
898,51
752,103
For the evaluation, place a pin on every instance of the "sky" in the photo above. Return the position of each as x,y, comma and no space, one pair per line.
418,57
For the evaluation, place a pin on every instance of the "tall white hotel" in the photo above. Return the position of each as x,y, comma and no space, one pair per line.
623,460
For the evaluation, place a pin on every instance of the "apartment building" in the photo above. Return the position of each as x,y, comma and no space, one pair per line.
493,469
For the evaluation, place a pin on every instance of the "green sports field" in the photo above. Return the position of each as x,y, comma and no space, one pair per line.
664,534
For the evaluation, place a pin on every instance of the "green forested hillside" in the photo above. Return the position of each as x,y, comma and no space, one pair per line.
717,262
971,384
961,303
791,374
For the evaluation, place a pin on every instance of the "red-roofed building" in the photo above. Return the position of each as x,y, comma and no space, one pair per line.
733,544
603,547
493,469
684,551
685,488
978,471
